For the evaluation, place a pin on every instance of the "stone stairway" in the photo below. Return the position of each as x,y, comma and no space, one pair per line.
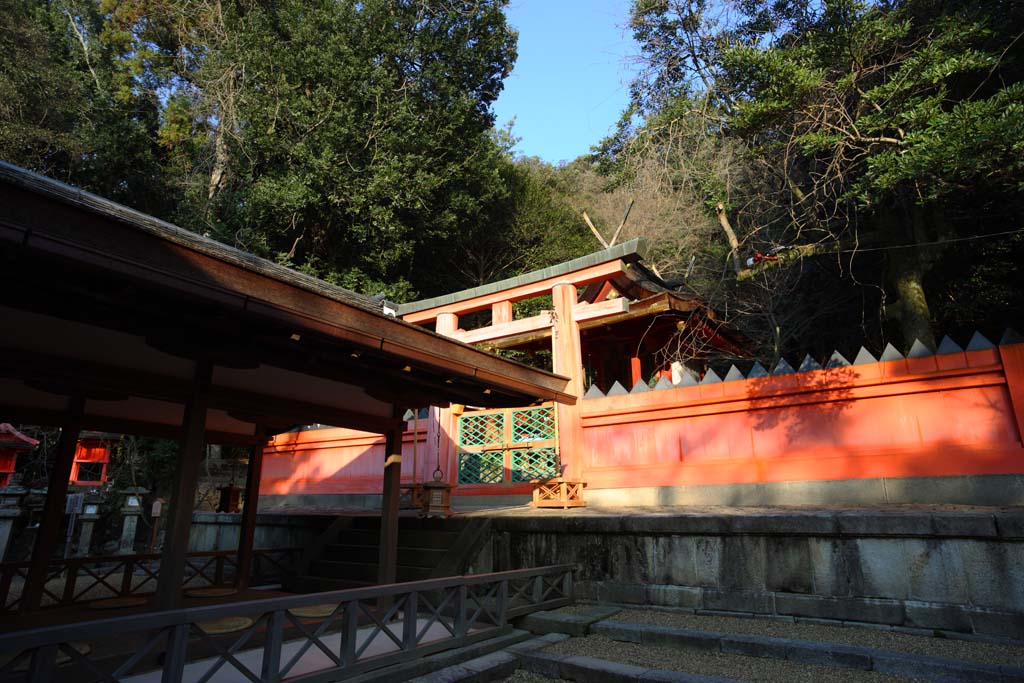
346,554
618,644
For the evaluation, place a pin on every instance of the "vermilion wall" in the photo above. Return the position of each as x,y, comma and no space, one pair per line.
336,461
941,415
953,414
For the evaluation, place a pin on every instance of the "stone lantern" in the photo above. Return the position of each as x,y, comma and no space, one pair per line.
132,510
10,511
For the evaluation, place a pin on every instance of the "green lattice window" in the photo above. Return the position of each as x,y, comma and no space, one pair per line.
535,463
482,468
482,430
533,424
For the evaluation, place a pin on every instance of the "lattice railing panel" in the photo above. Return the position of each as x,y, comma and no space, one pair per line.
533,424
336,635
482,468
481,429
535,463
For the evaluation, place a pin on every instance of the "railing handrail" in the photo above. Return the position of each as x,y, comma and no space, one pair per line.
48,635
63,561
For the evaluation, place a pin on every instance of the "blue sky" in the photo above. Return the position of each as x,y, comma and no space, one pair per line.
571,80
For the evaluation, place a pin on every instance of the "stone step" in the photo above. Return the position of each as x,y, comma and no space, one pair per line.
828,654
583,668
450,659
491,667
793,645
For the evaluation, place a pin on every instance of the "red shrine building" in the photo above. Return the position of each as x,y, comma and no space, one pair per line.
92,458
12,442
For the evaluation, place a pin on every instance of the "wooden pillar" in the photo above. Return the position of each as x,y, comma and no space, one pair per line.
501,312
635,371
387,563
172,560
252,494
447,323
53,512
1012,356
445,428
567,359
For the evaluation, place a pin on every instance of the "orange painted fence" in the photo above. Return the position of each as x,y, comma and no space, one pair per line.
952,414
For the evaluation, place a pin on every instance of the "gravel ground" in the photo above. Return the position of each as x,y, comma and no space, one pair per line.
521,676
577,609
716,664
985,653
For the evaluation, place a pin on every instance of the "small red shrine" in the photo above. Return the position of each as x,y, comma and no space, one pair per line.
92,456
12,442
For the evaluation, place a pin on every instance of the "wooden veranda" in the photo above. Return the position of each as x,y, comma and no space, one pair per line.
120,322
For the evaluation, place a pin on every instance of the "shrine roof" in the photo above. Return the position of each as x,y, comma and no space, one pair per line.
630,252
96,204
9,435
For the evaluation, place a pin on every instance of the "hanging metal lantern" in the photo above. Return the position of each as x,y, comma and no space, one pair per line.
439,496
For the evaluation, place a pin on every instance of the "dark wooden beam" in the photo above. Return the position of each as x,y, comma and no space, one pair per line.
172,560
387,563
90,376
248,530
117,425
53,512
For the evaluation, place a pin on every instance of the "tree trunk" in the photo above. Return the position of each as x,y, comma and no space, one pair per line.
220,163
915,318
730,235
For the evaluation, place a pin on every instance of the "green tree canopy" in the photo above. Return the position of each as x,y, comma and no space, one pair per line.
892,127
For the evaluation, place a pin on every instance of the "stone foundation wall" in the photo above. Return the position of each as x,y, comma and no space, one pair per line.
220,530
946,570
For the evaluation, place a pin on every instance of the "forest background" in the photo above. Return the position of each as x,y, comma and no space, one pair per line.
825,174
867,155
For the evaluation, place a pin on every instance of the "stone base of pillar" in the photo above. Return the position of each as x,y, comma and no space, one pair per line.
85,535
10,512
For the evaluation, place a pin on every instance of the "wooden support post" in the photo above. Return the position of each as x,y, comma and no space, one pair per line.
441,433
172,560
635,371
1012,356
501,312
446,324
387,564
248,531
53,513
567,359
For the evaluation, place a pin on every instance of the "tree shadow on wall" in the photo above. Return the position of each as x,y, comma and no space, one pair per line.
808,405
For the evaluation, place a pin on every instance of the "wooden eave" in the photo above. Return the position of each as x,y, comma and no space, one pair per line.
653,305
83,260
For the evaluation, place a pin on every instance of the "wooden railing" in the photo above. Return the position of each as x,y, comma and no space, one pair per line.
83,579
355,631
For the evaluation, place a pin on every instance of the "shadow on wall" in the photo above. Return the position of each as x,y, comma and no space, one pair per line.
346,461
810,404
801,437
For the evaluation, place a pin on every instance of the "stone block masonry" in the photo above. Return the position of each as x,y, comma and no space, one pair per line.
923,568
